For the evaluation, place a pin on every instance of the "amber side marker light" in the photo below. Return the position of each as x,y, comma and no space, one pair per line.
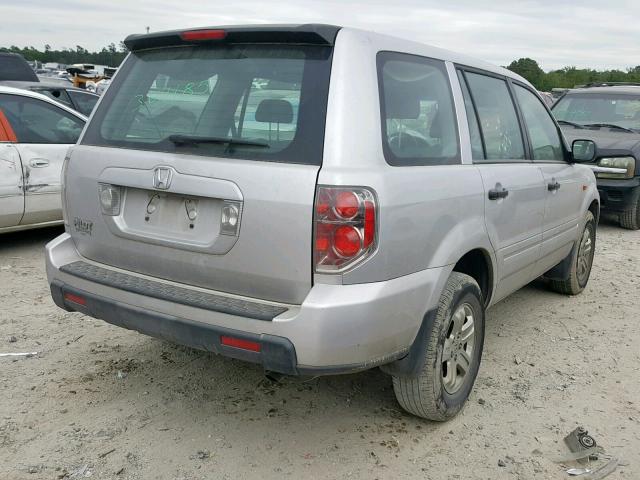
201,35
239,343
70,297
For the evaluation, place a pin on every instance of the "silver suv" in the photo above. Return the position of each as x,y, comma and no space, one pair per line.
320,200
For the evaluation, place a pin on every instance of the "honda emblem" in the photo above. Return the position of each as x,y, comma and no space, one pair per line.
162,177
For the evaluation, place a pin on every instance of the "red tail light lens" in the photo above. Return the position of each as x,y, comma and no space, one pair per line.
240,343
345,227
77,299
201,35
347,241
347,205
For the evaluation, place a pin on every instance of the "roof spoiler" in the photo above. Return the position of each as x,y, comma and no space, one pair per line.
309,34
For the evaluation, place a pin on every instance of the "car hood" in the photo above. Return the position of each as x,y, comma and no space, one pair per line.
609,142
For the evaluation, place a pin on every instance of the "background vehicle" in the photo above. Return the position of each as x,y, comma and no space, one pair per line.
610,116
16,72
14,67
35,135
320,200
76,98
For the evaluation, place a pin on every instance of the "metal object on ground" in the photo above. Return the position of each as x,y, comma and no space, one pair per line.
603,471
574,472
580,440
573,456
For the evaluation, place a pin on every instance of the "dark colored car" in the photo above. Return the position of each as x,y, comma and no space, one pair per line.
78,99
17,73
14,67
610,116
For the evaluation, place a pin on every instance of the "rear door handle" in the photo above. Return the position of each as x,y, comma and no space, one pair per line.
553,186
498,192
39,163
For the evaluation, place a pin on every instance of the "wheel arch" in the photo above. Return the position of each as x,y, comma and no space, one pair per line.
478,264
594,208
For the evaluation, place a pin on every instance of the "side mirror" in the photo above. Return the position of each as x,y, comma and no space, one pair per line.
583,151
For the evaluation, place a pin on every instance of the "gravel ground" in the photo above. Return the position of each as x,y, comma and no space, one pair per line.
102,402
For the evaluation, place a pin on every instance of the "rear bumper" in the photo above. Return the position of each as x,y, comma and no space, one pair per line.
337,329
615,195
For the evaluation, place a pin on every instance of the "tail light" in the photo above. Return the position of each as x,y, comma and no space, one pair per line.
345,227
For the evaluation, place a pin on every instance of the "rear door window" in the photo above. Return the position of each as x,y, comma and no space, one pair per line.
498,119
477,149
418,119
36,121
269,100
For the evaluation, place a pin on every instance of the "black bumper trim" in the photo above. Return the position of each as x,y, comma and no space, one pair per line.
277,353
171,293
616,196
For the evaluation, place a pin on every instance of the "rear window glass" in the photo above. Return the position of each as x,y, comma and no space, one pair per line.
84,102
262,102
418,126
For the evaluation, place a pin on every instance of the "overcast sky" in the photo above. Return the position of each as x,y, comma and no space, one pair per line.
582,33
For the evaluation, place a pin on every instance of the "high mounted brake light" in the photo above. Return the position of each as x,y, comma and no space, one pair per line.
311,34
345,227
203,35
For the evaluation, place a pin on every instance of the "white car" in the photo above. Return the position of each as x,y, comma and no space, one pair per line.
35,135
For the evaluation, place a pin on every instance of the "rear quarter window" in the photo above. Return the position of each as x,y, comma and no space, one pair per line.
416,103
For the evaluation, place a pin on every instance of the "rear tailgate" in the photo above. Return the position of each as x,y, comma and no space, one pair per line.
200,166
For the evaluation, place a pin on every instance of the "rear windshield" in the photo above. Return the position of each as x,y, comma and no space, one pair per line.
260,102
84,102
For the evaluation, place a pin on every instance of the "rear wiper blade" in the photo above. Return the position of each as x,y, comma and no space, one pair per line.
573,124
609,125
195,140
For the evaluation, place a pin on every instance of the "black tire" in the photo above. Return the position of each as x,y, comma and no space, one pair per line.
429,394
578,278
630,218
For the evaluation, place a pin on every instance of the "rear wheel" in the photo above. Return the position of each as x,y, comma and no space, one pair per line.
630,218
581,262
451,360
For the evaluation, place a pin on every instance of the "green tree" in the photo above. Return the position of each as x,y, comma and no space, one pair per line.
529,69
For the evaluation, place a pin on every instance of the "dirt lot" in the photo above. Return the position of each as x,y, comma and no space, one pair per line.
98,401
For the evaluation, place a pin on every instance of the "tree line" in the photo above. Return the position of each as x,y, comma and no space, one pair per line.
566,77
111,55
569,77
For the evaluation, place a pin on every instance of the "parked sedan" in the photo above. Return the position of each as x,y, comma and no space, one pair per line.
35,135
78,99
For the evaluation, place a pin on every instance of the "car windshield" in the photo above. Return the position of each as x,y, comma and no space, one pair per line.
622,110
217,97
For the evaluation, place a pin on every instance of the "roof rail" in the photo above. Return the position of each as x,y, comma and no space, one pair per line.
608,84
